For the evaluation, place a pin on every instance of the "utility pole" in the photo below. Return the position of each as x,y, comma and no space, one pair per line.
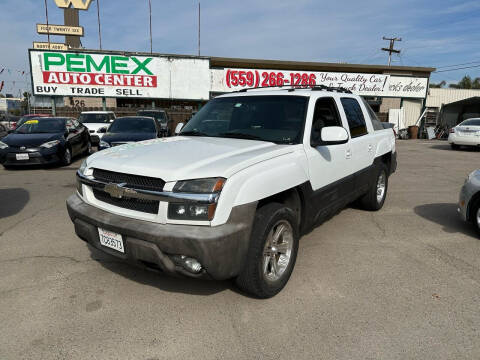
150,12
99,26
48,27
391,49
199,28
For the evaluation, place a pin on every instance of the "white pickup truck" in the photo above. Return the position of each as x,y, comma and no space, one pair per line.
232,194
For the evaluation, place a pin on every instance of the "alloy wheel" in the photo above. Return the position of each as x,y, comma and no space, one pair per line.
277,251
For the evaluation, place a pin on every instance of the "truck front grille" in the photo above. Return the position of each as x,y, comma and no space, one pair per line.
146,206
132,181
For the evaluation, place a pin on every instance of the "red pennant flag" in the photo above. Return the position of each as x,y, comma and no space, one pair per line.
1,71
1,85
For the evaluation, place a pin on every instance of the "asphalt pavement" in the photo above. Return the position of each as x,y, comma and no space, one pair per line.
401,283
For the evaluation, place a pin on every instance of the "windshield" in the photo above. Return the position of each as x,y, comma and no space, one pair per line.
94,118
132,125
471,122
277,118
157,115
42,125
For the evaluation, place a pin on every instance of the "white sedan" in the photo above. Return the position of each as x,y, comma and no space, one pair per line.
466,133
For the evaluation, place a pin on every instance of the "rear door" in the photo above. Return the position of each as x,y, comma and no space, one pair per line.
362,148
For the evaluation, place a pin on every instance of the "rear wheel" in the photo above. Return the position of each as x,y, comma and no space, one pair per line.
272,253
455,146
375,197
475,214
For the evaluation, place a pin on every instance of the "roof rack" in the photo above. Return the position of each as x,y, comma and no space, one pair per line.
299,87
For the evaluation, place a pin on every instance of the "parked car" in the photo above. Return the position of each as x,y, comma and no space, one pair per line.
130,129
9,121
466,133
230,199
97,123
3,131
469,199
161,117
25,118
44,141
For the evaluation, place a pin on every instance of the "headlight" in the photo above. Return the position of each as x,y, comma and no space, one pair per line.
82,168
104,144
50,144
200,186
189,211
3,145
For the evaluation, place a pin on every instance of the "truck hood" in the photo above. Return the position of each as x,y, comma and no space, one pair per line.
185,157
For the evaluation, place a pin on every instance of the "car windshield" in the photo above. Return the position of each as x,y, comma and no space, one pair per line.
132,125
276,118
157,115
94,118
471,122
42,125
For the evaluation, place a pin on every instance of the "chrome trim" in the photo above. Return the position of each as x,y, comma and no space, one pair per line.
120,191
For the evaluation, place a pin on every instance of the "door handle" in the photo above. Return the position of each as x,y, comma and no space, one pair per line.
348,154
370,148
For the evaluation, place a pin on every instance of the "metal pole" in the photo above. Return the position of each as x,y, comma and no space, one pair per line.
199,28
48,27
54,107
99,27
104,103
150,11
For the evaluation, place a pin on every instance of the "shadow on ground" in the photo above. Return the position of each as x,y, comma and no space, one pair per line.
445,214
12,201
444,146
160,280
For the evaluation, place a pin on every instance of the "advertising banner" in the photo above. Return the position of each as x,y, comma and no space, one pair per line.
116,75
231,79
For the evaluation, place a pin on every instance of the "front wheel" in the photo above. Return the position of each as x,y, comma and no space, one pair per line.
375,197
272,253
88,150
67,157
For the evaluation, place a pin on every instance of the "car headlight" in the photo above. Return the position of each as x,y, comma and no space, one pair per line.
104,144
50,144
189,211
3,145
82,168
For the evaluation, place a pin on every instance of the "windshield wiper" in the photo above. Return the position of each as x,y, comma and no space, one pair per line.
238,135
193,133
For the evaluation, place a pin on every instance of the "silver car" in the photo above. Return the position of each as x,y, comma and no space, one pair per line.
469,202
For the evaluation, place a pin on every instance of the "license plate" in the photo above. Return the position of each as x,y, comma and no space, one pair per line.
21,156
111,240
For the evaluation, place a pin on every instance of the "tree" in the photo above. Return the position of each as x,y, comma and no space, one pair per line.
465,83
441,84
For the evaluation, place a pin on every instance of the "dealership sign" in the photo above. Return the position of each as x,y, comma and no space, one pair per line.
231,79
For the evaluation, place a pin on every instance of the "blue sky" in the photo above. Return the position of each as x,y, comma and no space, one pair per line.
435,33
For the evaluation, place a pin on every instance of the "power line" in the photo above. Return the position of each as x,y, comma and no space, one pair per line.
468,63
461,68
391,49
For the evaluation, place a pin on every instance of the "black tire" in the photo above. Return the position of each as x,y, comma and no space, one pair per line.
473,211
88,150
455,146
252,278
370,201
67,157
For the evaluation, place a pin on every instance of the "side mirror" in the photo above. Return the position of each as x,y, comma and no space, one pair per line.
179,127
331,135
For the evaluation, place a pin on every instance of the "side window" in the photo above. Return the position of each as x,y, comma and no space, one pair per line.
377,125
324,115
356,121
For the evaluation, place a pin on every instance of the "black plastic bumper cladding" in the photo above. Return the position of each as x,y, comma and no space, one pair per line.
221,249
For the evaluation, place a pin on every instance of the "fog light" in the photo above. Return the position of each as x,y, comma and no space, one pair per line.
187,263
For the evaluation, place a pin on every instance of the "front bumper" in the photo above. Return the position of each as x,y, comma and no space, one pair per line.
221,250
36,156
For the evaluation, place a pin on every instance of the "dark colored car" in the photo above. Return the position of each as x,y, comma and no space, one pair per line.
45,141
130,129
161,117
25,118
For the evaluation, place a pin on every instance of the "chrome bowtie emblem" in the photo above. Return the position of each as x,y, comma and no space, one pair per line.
115,190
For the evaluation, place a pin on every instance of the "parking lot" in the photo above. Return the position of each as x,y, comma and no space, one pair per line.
401,283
